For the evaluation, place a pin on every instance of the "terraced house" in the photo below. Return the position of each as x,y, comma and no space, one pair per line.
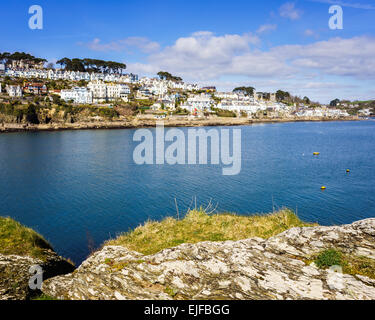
103,92
77,95
35,88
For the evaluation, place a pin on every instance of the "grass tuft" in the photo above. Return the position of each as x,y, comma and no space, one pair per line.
329,258
351,264
199,226
19,240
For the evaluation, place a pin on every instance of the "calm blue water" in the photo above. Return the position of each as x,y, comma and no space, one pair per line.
80,188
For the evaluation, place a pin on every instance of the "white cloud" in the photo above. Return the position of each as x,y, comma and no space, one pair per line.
266,27
210,57
141,43
206,56
319,69
340,57
202,34
310,33
288,10
325,85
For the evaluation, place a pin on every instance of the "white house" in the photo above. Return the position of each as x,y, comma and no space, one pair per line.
102,91
14,91
78,95
200,102
98,89
118,91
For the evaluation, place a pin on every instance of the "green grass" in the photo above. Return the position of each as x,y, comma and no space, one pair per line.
329,258
19,240
351,264
42,297
198,226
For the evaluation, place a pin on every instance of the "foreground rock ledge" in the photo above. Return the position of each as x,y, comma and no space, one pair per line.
248,269
14,273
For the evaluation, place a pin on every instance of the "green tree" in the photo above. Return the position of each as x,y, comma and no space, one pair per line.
167,76
248,91
282,95
334,103
306,100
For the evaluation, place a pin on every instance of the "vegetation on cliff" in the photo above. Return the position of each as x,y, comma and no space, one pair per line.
199,226
350,264
16,239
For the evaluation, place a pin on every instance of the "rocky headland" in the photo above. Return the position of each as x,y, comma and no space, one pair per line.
290,261
278,268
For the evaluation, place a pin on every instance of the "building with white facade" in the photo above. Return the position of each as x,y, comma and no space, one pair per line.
118,91
103,92
14,91
78,95
202,102
70,75
322,112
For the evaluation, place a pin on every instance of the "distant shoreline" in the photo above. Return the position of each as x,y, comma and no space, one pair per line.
149,123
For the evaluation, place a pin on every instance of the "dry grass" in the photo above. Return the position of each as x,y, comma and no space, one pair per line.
198,226
19,240
363,266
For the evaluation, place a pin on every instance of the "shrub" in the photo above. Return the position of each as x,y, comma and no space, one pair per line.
329,258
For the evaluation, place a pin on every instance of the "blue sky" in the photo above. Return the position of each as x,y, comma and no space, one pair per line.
267,44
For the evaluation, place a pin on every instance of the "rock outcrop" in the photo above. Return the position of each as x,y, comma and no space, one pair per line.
248,269
15,275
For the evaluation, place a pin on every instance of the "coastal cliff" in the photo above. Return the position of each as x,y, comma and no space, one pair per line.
272,257
20,249
279,268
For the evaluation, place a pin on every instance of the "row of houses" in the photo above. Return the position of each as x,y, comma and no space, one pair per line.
322,112
160,87
230,101
96,92
238,96
32,88
70,75
150,86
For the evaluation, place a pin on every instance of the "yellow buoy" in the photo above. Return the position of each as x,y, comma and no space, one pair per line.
316,153
347,170
323,188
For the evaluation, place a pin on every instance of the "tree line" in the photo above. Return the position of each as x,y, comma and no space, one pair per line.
248,91
83,65
91,65
163,75
7,57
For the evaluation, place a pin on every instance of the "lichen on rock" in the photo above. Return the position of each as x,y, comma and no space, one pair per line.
276,268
